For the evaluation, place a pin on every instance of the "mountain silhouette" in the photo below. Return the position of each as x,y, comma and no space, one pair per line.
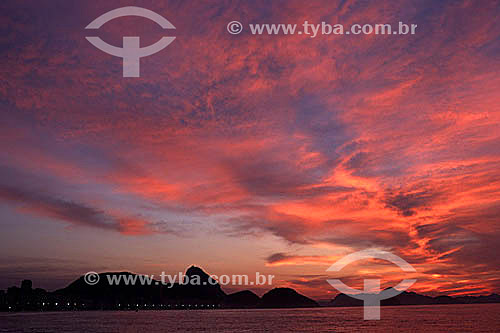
412,298
104,295
286,298
242,299
197,290
204,289
204,293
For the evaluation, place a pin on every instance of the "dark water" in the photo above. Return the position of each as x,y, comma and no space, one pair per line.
437,318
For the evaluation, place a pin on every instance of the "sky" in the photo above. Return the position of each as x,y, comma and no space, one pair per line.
244,153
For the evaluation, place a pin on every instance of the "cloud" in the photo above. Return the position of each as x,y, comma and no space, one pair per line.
342,142
278,259
405,203
74,213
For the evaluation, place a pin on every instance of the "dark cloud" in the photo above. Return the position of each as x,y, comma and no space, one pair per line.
290,228
407,203
71,212
276,257
60,209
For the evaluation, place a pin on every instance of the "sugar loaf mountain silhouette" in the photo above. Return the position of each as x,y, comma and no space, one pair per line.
207,294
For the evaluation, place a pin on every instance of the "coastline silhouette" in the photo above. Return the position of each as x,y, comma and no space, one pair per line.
79,295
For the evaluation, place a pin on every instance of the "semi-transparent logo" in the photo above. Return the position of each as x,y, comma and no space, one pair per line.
371,295
131,52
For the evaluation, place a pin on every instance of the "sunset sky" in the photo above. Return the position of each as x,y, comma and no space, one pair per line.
244,153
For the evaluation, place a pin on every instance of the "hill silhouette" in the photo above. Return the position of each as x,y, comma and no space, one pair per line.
206,293
412,298
196,291
242,299
286,298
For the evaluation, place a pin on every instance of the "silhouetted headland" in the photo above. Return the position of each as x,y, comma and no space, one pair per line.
412,298
80,295
207,294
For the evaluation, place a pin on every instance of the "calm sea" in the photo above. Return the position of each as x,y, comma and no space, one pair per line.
437,318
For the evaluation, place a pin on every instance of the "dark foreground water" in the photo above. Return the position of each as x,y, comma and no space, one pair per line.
437,318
